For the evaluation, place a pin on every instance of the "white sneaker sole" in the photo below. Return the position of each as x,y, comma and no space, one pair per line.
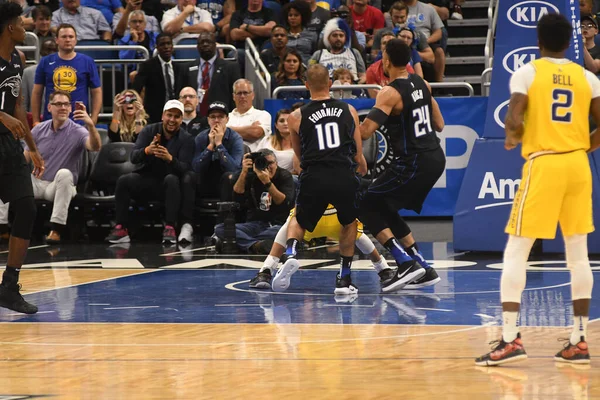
432,282
346,291
562,360
124,239
281,281
490,363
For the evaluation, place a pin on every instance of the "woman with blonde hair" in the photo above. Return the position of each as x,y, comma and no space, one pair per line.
129,117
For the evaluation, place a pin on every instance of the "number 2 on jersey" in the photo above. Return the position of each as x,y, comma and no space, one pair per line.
561,105
422,121
328,135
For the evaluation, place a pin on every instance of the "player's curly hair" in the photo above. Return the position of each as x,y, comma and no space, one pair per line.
554,32
9,12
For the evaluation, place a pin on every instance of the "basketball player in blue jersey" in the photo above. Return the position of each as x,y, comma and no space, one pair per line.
15,183
411,116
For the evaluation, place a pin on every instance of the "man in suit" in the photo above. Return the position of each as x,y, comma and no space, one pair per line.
211,75
157,92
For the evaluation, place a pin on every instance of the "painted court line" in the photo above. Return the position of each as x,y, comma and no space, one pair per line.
187,251
29,248
433,309
130,308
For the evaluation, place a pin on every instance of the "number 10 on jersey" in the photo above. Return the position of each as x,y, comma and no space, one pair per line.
328,135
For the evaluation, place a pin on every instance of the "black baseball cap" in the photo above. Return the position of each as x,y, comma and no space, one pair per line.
591,18
218,106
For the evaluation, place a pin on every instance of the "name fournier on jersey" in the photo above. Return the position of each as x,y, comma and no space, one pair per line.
326,112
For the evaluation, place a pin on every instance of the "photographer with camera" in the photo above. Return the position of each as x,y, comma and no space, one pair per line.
267,192
129,117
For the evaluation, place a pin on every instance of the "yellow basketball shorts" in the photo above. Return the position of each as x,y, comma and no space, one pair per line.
555,189
328,226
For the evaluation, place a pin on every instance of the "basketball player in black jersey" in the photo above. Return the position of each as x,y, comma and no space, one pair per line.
411,117
326,139
15,183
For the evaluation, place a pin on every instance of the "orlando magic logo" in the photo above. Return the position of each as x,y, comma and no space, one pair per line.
14,83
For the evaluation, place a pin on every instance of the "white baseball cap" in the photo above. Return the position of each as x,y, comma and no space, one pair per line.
171,104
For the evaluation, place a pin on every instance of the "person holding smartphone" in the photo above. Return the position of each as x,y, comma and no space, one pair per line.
129,117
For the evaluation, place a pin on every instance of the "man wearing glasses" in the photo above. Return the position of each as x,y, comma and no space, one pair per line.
61,142
591,52
219,152
252,124
193,122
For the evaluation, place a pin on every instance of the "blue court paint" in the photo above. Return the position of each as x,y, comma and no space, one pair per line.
213,296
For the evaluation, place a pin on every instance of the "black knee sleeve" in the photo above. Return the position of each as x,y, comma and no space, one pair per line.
24,210
399,227
371,215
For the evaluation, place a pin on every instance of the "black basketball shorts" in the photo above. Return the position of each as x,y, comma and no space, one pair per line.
15,179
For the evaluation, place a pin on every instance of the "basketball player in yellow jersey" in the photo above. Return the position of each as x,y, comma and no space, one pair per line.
328,226
548,113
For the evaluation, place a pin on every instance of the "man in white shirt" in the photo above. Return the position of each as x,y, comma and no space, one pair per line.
186,20
252,124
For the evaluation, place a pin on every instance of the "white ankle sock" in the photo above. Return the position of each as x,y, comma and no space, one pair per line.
380,265
579,328
270,263
510,328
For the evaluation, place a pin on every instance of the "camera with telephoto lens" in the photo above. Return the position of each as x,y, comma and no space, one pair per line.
260,161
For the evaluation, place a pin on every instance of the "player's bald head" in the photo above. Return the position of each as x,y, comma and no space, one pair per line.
317,77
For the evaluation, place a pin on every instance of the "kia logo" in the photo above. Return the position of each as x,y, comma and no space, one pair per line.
500,113
526,14
519,57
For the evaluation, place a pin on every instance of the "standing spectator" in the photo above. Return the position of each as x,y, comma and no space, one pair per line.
221,12
193,122
397,18
250,123
219,152
61,142
108,8
426,20
120,21
212,76
41,20
163,154
68,71
47,47
367,19
318,18
187,20
281,144
591,51
297,17
271,56
254,22
268,196
129,117
337,52
156,78
88,23
138,36
291,72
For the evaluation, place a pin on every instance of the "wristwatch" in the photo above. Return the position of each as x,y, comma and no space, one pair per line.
268,185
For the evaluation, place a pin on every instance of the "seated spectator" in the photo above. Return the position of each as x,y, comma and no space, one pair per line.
212,76
61,142
41,22
89,23
318,18
67,70
358,39
254,22
221,12
281,143
47,47
219,152
251,124
121,23
398,18
591,51
426,20
342,76
107,8
138,36
193,122
367,19
291,72
53,5
129,117
408,36
26,15
376,74
186,20
268,196
338,53
272,55
163,154
297,16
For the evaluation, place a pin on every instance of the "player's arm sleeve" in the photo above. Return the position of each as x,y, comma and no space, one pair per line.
522,79
594,83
